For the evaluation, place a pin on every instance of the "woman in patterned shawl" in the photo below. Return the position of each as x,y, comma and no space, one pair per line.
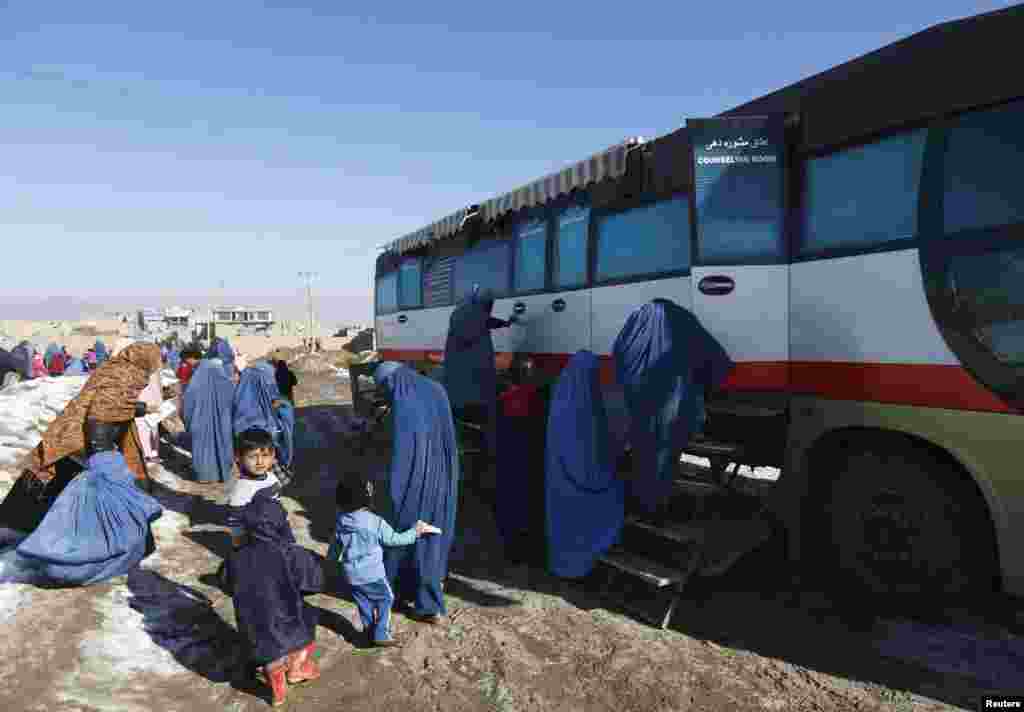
111,396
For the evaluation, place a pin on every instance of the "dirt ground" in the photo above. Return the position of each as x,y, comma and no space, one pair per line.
517,639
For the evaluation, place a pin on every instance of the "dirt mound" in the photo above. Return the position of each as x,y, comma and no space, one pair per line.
316,364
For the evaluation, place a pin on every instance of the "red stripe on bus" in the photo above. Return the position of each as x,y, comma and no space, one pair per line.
924,385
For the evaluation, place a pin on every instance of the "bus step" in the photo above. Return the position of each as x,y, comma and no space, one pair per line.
657,575
676,532
743,410
727,541
702,447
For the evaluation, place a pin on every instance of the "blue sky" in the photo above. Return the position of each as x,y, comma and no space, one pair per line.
251,140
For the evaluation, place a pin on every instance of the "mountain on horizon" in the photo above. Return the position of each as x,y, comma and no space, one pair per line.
329,309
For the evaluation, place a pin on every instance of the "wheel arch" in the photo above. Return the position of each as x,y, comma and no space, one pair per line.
835,443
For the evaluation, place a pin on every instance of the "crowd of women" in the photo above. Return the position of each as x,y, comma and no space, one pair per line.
664,361
27,361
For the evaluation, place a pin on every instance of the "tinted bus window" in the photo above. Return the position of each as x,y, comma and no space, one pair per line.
983,184
485,265
570,254
387,293
646,240
531,255
410,284
864,196
437,282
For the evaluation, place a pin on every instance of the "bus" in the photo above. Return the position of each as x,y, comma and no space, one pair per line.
854,240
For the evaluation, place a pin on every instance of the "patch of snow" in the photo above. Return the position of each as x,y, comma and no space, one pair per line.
27,409
109,656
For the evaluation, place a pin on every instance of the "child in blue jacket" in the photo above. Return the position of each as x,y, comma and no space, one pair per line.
359,538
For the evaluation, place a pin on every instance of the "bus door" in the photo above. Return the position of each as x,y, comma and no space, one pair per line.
740,275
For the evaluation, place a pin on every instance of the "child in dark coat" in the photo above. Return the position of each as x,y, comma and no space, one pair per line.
270,575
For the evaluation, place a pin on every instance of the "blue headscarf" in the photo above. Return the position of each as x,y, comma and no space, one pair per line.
173,359
97,528
585,500
101,352
256,392
207,414
220,348
664,359
76,368
423,484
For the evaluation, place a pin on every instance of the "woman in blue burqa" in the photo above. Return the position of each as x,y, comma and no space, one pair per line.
423,484
258,404
207,414
584,500
221,349
665,361
470,375
101,352
173,359
99,525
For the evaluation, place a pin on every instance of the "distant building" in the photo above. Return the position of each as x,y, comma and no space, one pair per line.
177,318
150,319
243,316
241,319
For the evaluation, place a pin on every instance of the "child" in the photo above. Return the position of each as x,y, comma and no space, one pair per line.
254,454
189,360
271,575
357,543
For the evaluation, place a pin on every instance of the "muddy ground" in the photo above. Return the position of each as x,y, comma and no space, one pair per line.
517,639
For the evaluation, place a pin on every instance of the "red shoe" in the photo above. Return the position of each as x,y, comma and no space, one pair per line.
301,665
277,677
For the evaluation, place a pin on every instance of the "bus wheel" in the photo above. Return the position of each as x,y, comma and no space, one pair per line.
903,522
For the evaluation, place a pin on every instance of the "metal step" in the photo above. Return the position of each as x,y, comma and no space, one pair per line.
727,541
677,532
658,575
711,448
697,486
743,410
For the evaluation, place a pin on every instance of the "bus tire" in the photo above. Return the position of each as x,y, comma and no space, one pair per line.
905,522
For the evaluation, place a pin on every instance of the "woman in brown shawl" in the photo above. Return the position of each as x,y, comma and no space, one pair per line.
110,396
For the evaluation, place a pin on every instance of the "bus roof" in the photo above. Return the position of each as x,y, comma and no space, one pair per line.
945,68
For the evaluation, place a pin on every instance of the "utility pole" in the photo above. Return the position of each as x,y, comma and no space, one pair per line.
309,278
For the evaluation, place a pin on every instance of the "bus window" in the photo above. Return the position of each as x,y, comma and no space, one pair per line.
387,293
570,253
739,216
983,186
410,284
983,224
647,240
864,196
437,282
989,288
531,255
485,265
